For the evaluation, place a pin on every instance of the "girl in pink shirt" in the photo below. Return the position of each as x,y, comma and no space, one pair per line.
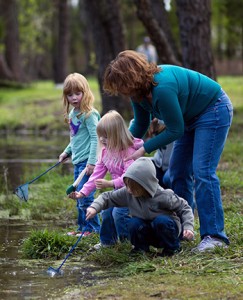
116,143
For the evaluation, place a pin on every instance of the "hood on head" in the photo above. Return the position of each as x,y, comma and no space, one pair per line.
143,172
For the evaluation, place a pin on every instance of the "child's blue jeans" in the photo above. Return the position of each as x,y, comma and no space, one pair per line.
114,225
84,203
162,232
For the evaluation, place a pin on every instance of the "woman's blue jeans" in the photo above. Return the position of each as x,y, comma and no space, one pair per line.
194,162
93,225
162,232
114,225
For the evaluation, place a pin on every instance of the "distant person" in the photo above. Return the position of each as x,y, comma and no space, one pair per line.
197,114
158,217
116,143
148,50
82,120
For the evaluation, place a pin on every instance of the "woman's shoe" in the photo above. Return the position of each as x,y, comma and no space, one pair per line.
209,243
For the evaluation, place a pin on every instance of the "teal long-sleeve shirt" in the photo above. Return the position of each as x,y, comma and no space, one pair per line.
179,96
83,137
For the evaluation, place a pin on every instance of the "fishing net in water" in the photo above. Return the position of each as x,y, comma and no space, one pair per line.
22,192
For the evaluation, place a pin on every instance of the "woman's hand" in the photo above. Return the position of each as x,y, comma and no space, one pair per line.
139,153
102,184
89,169
75,195
90,213
188,234
152,128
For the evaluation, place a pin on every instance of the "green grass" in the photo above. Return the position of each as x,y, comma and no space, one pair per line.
233,86
36,107
216,275
47,197
45,244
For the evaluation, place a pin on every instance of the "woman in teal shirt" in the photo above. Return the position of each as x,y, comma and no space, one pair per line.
197,114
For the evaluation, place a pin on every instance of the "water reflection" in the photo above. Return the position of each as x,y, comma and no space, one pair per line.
23,279
28,279
28,152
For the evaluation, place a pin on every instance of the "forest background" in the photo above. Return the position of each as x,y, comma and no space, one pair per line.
47,40
41,42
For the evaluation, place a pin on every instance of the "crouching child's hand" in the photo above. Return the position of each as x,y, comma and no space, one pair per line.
75,195
90,213
188,234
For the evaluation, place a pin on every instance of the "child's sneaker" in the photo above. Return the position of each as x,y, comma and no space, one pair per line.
86,233
99,246
72,233
209,243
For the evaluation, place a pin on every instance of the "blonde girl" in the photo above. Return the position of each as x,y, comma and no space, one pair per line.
82,119
116,143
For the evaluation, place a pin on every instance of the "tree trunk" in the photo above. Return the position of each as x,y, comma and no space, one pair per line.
161,16
11,60
62,47
109,40
5,72
195,35
156,33
86,40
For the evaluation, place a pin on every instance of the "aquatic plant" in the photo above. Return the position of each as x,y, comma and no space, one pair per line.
45,244
53,244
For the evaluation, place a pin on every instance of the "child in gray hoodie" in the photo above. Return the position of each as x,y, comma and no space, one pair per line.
159,217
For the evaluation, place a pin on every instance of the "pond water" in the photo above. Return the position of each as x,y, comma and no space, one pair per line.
21,279
19,153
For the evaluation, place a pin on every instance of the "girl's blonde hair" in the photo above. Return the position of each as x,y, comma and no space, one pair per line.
113,127
76,83
130,74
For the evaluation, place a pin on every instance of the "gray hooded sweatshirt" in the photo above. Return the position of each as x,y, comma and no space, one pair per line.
160,202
